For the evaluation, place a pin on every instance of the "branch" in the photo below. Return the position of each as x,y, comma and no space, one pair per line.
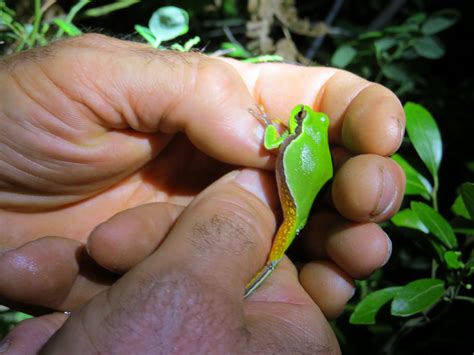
318,41
386,15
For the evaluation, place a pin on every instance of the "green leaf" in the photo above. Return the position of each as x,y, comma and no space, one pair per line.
169,22
409,219
107,9
416,18
429,47
462,226
177,47
385,43
370,35
459,208
264,58
411,27
453,260
435,223
236,50
470,261
467,193
75,9
424,134
417,296
416,184
343,56
190,43
409,54
440,21
395,72
5,19
20,317
367,309
230,8
67,27
470,166
146,33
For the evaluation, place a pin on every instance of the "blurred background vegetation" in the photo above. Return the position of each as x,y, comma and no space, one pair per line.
423,50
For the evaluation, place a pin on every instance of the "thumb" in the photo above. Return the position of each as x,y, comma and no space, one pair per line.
124,87
222,238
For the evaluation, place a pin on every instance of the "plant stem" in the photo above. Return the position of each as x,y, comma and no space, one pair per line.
386,15
464,298
434,193
318,41
72,13
36,23
364,289
434,268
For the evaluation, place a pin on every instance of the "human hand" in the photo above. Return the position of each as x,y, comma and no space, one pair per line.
187,296
98,128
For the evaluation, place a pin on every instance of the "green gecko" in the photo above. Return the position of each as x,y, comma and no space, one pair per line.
303,167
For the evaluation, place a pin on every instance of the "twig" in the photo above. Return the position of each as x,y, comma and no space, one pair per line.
386,15
47,5
230,36
318,41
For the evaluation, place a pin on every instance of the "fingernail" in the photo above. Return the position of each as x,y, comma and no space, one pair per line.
389,249
4,345
252,181
400,131
388,194
353,292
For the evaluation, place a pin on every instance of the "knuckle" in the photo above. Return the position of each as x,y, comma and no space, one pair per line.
87,40
230,227
217,78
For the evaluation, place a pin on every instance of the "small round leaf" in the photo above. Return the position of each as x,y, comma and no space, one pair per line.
343,56
169,22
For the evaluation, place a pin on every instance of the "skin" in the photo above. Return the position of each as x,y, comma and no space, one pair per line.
303,167
174,306
85,196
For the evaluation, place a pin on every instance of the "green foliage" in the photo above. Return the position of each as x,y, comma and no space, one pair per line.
417,296
425,136
467,194
343,56
416,183
109,8
9,318
166,24
40,32
386,56
435,223
452,261
236,50
368,308
409,219
433,262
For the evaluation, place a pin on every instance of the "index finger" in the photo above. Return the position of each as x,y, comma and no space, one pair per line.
365,117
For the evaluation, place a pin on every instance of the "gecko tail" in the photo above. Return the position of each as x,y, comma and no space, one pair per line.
261,276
